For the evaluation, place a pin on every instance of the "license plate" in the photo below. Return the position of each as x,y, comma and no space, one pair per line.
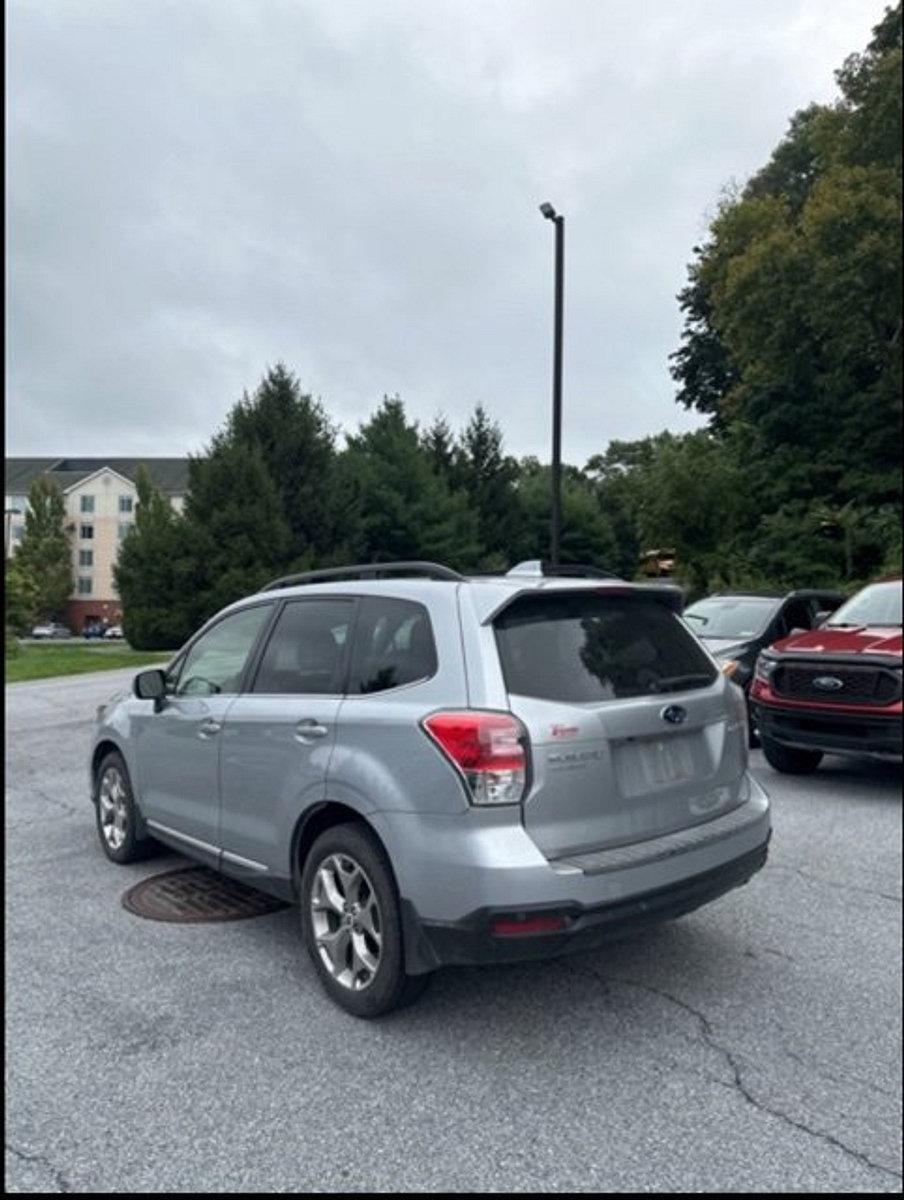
653,763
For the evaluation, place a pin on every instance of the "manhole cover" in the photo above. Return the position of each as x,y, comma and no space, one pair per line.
196,894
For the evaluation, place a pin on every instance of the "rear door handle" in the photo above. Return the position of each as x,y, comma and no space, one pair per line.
309,730
208,728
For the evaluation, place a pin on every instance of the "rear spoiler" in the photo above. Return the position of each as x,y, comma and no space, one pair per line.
668,594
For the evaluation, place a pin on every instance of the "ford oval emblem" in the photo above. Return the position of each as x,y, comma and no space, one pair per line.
674,714
828,683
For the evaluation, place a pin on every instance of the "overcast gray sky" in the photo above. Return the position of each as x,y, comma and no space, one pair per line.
198,188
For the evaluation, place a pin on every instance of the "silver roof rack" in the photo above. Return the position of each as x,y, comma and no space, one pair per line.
428,570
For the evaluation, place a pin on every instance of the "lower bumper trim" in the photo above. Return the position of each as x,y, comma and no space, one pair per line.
470,942
833,733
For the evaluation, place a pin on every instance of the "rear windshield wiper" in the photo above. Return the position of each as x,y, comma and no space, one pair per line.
673,683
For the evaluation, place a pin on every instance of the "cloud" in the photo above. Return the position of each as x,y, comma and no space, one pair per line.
198,189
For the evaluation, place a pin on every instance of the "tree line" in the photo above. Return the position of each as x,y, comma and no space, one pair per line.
791,350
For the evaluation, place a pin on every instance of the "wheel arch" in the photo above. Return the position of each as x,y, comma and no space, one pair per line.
104,747
419,958
323,815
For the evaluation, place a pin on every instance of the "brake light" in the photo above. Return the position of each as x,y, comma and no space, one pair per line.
518,926
489,749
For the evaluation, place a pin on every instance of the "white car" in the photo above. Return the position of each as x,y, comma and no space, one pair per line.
51,629
113,633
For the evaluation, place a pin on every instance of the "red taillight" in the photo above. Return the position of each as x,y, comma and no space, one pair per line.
488,748
516,926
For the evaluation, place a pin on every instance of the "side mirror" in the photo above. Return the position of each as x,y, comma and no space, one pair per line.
150,685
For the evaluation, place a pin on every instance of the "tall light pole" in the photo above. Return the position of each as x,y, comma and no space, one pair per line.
551,215
10,513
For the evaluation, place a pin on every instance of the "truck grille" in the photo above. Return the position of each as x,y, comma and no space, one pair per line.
859,684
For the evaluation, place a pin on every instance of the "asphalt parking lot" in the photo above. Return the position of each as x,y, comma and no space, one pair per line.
755,1044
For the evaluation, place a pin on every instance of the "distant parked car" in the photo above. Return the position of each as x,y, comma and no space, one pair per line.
113,633
736,626
51,629
96,630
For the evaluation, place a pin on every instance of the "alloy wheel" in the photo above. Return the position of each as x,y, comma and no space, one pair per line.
113,808
346,920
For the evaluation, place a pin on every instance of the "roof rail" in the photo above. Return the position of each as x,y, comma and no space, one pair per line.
536,566
366,571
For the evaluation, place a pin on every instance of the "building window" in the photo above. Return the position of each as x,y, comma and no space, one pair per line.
87,504
86,558
86,532
125,504
124,527
84,585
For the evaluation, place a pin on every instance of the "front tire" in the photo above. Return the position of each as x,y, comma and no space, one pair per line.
119,825
789,759
351,923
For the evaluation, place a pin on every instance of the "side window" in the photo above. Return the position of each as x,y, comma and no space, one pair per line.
216,661
796,616
393,646
306,651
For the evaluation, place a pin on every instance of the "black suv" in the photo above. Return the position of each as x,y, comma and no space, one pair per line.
736,626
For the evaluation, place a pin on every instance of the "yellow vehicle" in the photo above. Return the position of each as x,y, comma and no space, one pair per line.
658,564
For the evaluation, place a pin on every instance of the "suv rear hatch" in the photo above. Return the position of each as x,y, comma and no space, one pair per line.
632,734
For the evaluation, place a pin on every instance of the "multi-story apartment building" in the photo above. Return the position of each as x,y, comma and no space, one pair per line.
100,497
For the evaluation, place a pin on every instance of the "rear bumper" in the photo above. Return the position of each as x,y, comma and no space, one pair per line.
471,942
835,733
457,874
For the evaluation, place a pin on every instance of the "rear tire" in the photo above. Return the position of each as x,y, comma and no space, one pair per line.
119,825
351,923
789,759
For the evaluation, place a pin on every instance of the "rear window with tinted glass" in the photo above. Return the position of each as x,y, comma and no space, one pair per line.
586,647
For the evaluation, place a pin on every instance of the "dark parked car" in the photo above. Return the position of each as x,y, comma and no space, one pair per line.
96,629
735,627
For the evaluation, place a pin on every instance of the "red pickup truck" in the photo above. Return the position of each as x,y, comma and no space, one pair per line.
835,689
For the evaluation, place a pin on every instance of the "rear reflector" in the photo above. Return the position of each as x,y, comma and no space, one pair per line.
487,748
516,926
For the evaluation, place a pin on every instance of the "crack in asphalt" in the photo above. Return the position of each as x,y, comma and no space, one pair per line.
62,1183
819,1069
833,883
737,1083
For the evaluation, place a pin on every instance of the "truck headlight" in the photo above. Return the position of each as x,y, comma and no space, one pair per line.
765,668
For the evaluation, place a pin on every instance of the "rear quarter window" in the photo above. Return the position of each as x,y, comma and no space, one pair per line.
585,647
394,646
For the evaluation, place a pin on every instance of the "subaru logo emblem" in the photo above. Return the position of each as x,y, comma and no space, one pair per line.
674,714
828,683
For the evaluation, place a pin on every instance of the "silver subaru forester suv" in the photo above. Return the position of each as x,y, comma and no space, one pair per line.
441,769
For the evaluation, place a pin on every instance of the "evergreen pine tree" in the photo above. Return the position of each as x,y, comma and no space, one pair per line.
237,537
487,476
153,573
296,442
405,509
